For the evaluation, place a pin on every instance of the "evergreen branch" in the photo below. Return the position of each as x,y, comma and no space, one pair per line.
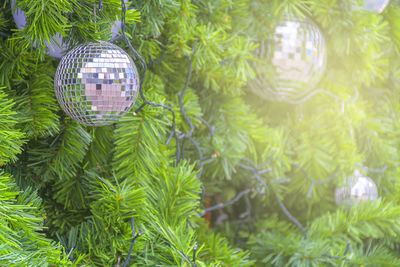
144,65
68,253
256,173
134,161
182,110
203,192
218,248
22,243
5,34
44,21
374,219
200,155
11,139
73,147
41,105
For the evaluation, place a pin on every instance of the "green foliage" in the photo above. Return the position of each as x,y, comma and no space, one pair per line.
220,254
70,146
371,220
21,243
38,104
90,182
10,137
16,63
362,226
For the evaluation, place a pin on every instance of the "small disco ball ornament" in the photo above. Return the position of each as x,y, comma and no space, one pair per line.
96,83
375,5
297,51
356,188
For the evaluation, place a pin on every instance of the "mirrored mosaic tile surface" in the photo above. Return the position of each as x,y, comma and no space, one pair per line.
297,51
356,188
96,83
375,5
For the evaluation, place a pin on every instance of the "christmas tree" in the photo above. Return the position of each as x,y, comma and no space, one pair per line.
227,158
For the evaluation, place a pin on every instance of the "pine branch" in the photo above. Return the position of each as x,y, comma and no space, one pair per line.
11,139
21,241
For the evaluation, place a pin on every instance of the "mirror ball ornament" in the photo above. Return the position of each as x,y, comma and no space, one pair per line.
298,53
375,5
356,188
96,83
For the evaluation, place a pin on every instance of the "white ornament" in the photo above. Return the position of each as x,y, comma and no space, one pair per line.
356,188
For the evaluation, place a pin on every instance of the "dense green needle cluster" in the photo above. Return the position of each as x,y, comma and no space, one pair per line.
69,193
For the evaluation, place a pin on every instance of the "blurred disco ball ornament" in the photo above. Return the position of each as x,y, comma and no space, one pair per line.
375,5
96,83
297,51
356,188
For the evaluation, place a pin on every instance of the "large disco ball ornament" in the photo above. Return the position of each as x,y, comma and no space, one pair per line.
356,188
297,51
96,83
375,5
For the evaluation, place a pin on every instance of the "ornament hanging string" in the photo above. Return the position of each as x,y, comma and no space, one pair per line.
211,129
373,170
134,237
256,174
182,93
340,257
307,97
314,182
223,205
193,261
